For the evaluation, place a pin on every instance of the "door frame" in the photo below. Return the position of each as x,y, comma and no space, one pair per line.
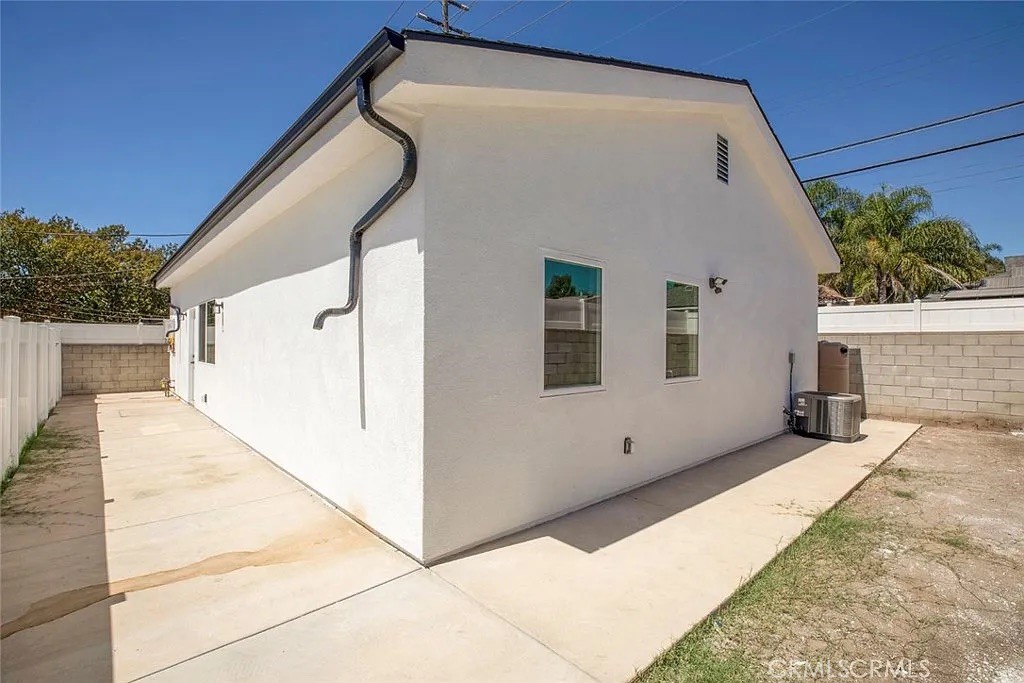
192,334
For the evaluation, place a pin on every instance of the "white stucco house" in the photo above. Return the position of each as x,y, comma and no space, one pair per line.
513,282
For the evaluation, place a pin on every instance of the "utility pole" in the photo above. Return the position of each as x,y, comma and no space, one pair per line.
445,25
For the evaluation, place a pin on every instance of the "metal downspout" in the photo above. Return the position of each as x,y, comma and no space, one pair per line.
177,322
404,182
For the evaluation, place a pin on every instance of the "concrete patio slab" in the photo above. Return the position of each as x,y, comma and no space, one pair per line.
157,546
415,628
611,586
113,574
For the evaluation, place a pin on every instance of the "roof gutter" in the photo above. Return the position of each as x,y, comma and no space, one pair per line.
382,50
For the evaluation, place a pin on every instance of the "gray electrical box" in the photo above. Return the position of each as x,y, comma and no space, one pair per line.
827,415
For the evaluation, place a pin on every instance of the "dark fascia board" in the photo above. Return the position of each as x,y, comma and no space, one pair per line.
379,53
519,48
431,36
795,174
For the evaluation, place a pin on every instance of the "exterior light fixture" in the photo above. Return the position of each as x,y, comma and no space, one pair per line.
716,283
218,306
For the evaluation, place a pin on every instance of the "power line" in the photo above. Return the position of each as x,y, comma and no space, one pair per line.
59,318
414,16
845,92
779,33
885,65
643,23
392,16
907,131
987,182
512,6
47,277
104,314
93,234
537,20
927,155
973,175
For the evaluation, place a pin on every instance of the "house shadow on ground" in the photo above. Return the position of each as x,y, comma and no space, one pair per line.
605,523
54,579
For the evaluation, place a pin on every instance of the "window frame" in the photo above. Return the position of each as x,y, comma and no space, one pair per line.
590,262
201,320
692,282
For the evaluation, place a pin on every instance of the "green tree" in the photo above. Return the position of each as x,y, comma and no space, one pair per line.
892,245
561,286
56,269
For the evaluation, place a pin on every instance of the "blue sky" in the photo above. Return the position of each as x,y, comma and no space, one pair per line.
147,113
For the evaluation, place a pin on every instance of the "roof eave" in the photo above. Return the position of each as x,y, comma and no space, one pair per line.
383,49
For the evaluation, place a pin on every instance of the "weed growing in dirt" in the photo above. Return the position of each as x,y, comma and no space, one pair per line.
956,538
785,587
905,494
901,473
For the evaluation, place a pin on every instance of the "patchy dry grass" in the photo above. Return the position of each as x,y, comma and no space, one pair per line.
939,579
40,453
799,578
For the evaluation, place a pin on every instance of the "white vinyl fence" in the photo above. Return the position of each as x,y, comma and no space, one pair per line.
30,381
992,315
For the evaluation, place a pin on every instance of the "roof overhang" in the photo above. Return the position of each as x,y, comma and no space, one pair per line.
418,69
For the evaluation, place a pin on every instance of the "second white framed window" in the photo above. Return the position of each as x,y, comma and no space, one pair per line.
682,330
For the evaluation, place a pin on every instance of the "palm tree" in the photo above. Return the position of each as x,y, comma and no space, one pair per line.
894,248
835,205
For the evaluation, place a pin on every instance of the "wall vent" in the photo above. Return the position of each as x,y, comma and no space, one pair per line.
723,160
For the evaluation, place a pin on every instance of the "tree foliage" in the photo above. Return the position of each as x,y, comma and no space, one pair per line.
561,286
55,269
893,246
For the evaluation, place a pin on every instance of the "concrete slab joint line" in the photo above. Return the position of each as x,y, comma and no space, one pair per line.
144,519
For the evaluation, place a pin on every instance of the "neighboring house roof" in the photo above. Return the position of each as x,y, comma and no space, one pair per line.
1008,284
380,53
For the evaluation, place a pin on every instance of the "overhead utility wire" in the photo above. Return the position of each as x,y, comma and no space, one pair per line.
93,234
884,66
416,15
877,83
927,155
779,33
537,20
987,182
908,131
392,16
643,23
54,317
47,277
103,314
512,6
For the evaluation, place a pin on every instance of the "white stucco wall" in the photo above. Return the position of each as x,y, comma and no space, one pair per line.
340,409
638,192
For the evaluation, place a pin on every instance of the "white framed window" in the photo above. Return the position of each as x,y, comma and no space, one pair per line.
682,331
207,329
573,317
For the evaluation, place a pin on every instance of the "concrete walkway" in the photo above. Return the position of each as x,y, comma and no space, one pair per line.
157,546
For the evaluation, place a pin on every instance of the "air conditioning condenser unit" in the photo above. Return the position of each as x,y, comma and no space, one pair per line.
827,415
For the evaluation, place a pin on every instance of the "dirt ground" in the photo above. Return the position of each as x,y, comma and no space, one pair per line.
922,567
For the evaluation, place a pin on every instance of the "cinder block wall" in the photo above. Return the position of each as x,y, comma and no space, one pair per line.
938,375
104,368
569,356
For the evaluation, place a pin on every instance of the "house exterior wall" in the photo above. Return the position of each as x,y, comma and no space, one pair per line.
638,193
340,409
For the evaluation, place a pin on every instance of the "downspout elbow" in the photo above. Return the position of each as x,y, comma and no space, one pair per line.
397,189
177,322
